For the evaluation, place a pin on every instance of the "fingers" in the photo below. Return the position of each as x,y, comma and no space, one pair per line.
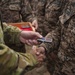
39,52
31,42
30,35
35,24
41,58
38,35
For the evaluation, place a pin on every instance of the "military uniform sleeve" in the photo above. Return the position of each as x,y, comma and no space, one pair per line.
27,12
52,12
14,63
11,34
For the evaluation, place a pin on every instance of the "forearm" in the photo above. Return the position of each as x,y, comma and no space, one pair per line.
52,13
17,62
55,36
11,34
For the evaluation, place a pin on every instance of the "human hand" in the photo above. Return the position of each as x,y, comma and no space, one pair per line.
39,52
29,37
35,24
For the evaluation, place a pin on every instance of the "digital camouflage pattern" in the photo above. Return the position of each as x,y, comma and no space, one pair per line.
10,10
37,9
61,52
11,13
11,62
25,10
28,10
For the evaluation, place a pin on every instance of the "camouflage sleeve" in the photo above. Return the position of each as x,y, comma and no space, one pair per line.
27,11
11,34
14,63
52,13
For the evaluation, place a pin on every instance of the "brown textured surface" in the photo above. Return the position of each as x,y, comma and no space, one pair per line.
42,70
